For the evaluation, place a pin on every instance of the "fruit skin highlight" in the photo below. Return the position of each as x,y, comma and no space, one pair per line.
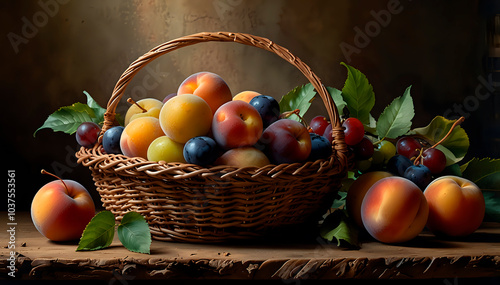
394,210
456,206
62,214
208,86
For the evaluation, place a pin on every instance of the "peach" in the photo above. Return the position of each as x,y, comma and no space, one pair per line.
357,192
184,117
148,107
236,124
394,210
61,210
209,86
456,206
165,149
286,141
245,96
138,135
243,157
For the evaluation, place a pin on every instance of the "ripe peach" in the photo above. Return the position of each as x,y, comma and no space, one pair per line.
243,157
286,141
138,134
394,210
236,124
357,192
456,206
165,149
153,107
209,86
61,211
184,117
245,96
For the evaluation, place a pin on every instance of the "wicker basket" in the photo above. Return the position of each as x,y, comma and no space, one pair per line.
186,202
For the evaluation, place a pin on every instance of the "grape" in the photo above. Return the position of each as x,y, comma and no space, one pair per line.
377,157
398,164
434,159
354,131
268,108
321,148
87,134
387,149
318,124
419,174
364,149
328,133
201,150
111,140
408,147
363,165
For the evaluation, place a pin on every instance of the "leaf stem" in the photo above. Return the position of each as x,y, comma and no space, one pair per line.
459,121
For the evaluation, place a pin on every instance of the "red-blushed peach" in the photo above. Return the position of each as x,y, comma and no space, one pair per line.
209,86
243,157
357,192
61,211
456,206
245,96
286,141
151,105
236,124
138,135
394,210
184,117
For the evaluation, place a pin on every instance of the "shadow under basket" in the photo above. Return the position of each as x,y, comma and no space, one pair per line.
191,203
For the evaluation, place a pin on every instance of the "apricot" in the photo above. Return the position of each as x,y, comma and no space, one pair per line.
151,105
236,124
394,210
245,96
357,192
456,206
61,211
243,157
208,86
138,135
184,117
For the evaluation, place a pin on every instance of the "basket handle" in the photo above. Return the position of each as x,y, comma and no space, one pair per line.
246,39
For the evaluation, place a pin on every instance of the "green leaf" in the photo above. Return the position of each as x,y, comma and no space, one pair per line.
299,98
396,118
484,172
99,232
358,94
134,233
337,99
337,226
98,110
457,143
492,203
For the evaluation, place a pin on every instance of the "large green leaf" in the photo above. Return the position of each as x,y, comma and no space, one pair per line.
457,143
337,99
299,98
396,118
484,172
99,232
358,94
134,233
337,226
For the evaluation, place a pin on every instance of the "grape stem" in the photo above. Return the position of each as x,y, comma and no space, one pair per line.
131,101
65,186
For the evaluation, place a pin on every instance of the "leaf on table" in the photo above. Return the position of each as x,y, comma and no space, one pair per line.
484,172
337,226
358,94
396,118
457,143
99,232
300,98
134,233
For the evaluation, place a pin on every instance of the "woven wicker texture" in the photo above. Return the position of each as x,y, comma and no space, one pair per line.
186,202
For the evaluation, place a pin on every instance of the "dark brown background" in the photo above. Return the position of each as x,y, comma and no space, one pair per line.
438,47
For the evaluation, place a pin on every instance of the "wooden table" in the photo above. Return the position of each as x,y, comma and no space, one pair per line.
426,257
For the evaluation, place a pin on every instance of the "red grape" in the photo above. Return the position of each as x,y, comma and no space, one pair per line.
354,131
328,133
408,146
318,124
87,134
364,149
434,159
